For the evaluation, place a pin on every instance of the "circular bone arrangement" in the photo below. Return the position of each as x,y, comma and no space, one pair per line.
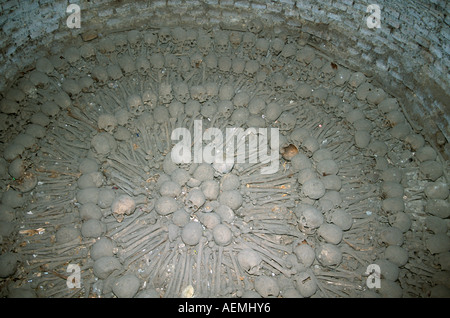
88,178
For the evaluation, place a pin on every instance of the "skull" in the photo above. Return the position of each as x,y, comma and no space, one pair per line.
122,116
237,66
198,93
59,63
356,79
277,46
149,98
135,104
211,62
251,67
72,88
286,121
142,65
204,44
39,79
326,73
181,91
196,59
107,122
106,45
176,108
164,35
289,84
99,74
342,76
178,36
165,93
121,206
209,109
150,39
191,38
212,90
288,53
86,84
250,261
261,47
305,55
224,63
192,108
248,41
127,64
319,96
303,91
134,39
235,39
278,80
121,42
114,72
225,108
222,42
241,99
309,145
157,61
255,26
310,218
88,53
171,61
72,55
184,64
195,199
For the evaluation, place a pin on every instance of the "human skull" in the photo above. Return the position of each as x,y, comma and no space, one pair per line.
181,92
237,66
134,39
157,61
225,108
164,35
222,42
143,65
342,76
224,64
211,62
277,46
135,104
286,121
261,47
99,74
212,90
150,39
255,26
326,73
303,91
88,52
251,68
235,38
121,42
319,96
171,61
248,41
191,38
289,84
196,59
107,122
86,84
106,45
149,98
127,64
288,53
72,55
204,44
356,79
310,219
305,55
114,72
278,80
165,93
198,93
121,206
178,36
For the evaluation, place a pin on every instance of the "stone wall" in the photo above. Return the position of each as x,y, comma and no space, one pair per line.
409,55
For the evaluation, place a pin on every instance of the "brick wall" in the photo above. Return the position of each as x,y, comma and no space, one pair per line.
409,55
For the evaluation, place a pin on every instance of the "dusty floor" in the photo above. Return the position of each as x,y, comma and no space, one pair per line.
87,177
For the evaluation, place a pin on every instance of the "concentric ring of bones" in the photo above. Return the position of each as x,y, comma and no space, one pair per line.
358,207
